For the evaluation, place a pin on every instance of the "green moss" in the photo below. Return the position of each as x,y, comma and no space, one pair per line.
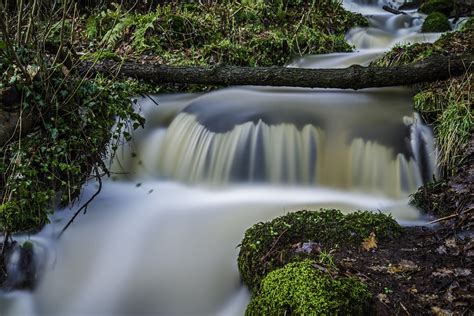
443,6
301,289
263,33
267,246
436,22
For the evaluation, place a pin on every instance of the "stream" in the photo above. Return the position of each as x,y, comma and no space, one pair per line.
162,237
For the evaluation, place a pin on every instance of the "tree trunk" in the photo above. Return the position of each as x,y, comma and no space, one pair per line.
354,77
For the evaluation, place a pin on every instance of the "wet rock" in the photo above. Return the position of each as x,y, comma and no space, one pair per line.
21,268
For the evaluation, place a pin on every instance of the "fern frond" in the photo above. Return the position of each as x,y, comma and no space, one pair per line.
141,28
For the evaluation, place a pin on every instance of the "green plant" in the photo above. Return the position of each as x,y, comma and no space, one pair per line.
71,120
448,106
436,22
233,32
326,259
301,289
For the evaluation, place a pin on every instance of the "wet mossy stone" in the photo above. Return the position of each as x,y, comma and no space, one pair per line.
268,246
436,22
301,289
443,6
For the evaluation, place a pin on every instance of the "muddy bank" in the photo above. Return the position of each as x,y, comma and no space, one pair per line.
408,270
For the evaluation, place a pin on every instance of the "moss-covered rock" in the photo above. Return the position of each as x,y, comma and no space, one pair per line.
268,246
443,6
436,22
301,289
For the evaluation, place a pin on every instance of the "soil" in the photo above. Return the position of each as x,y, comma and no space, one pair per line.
424,272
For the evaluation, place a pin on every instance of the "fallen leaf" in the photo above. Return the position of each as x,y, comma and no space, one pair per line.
383,298
378,268
441,312
32,71
370,242
462,272
443,272
441,250
450,242
413,290
403,266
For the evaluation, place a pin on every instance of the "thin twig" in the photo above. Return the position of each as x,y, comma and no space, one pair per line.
405,309
273,246
86,205
448,217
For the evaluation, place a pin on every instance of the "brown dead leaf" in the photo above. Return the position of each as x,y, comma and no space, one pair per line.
403,266
383,298
413,290
442,272
378,268
370,242
462,272
441,312
450,242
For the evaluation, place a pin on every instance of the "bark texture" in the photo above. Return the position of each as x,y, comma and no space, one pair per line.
354,77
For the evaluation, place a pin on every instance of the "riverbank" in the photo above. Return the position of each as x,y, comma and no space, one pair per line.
396,271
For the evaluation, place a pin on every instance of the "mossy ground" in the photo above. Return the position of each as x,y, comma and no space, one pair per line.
231,32
306,288
271,245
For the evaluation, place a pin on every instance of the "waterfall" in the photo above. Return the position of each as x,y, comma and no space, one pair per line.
161,237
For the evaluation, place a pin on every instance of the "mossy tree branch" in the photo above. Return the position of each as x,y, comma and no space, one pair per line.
354,77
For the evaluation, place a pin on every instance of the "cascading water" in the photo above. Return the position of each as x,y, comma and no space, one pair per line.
162,238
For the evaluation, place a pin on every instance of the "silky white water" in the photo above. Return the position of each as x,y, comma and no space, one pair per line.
161,238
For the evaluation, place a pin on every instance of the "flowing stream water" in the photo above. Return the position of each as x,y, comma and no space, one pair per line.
162,236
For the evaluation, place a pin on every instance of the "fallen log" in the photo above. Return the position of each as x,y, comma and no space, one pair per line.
392,10
354,77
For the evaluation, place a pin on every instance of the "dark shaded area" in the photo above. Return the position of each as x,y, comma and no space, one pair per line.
451,198
423,272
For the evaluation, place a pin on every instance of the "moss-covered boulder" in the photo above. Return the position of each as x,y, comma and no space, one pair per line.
271,245
301,288
443,6
436,22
